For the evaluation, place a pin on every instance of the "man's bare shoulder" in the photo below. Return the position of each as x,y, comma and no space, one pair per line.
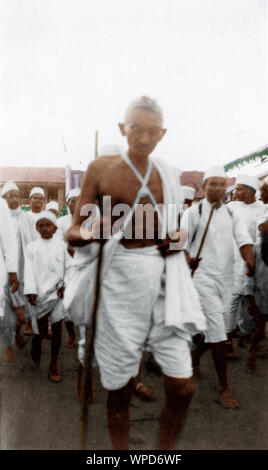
105,163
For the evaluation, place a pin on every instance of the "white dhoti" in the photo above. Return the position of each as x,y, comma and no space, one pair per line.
131,319
214,294
53,307
8,321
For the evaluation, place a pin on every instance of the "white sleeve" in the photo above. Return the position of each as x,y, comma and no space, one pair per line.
8,238
29,277
240,231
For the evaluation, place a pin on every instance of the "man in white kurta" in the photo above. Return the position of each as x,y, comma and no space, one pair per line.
249,210
45,266
16,310
8,271
214,275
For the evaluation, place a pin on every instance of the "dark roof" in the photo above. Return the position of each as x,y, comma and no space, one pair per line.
195,180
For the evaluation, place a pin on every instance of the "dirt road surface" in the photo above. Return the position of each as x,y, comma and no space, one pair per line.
36,414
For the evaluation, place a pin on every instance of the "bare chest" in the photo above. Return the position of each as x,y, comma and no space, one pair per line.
123,185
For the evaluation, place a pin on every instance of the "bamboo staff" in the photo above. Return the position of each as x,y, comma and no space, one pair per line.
204,236
87,375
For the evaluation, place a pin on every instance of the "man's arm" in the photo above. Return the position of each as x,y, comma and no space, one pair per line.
244,242
189,223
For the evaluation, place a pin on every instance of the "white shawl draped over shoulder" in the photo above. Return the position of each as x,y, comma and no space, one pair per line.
182,305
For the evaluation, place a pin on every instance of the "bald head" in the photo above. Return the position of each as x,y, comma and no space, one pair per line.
146,104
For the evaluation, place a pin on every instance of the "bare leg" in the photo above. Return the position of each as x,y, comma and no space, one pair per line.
9,357
179,394
19,322
118,404
36,351
257,336
219,355
54,369
229,343
141,390
196,356
71,334
28,328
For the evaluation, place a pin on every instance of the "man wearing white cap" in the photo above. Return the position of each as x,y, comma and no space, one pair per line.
15,311
248,209
8,272
214,270
188,195
45,265
64,224
37,199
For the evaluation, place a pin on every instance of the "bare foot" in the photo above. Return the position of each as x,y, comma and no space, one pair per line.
28,328
20,343
143,392
54,376
9,357
227,399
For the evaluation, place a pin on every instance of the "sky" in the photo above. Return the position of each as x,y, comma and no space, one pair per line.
71,67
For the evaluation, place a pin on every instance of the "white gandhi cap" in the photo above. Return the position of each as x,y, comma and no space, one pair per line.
188,192
248,180
265,180
215,171
52,205
47,215
73,193
37,190
9,186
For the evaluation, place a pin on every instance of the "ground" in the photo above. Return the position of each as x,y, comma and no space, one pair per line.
37,414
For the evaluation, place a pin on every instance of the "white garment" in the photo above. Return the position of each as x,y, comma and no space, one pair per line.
64,224
132,319
46,262
8,250
182,307
214,276
33,217
257,285
250,214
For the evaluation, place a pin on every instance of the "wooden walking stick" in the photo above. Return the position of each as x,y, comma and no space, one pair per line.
87,377
87,384
204,235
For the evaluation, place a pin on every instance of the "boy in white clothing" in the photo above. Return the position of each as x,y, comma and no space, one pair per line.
45,267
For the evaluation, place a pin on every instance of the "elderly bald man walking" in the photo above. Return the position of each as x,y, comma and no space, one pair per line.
143,296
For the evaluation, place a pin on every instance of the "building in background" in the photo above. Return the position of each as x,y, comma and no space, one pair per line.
54,181
57,181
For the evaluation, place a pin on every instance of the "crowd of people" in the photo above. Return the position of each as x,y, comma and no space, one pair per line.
165,299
